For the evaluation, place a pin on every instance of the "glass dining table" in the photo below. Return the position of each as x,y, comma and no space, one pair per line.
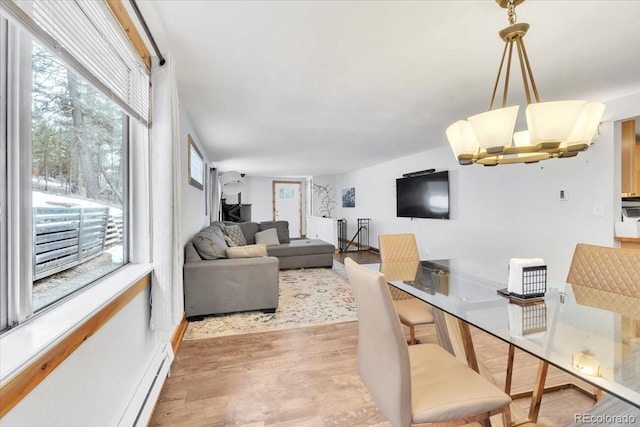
590,334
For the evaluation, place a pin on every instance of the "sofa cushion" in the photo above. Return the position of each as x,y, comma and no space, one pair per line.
247,251
249,229
282,227
190,253
234,236
268,237
301,247
219,224
210,243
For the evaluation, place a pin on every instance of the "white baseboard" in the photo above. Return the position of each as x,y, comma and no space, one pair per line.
140,408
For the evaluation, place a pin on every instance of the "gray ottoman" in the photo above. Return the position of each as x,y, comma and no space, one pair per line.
303,253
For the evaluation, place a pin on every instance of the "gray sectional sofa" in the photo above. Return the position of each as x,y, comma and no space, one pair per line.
231,267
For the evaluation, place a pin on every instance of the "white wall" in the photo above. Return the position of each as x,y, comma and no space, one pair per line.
259,193
94,385
192,216
505,211
330,199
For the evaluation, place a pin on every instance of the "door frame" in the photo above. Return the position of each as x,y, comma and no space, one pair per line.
273,199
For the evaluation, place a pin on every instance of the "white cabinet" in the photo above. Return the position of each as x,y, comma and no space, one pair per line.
630,159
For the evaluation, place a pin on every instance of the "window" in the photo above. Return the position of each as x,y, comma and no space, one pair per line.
78,172
67,126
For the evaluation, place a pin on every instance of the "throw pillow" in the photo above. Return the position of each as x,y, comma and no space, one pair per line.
234,235
267,237
229,241
247,251
210,243
281,226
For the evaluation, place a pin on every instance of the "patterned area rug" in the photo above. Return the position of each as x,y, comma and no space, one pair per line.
308,297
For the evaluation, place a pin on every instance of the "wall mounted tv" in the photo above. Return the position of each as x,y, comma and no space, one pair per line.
423,195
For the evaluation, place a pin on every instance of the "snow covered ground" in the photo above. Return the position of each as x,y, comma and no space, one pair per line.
42,199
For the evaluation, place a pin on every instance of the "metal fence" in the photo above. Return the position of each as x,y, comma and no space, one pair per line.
115,231
361,237
65,237
342,234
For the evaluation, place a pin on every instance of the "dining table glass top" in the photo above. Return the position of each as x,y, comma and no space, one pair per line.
592,334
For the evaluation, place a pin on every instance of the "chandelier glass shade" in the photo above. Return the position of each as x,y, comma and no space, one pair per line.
557,129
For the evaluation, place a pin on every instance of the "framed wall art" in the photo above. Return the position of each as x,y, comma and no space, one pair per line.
349,197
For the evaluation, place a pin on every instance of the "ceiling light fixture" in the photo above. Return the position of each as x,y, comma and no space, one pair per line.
232,183
557,129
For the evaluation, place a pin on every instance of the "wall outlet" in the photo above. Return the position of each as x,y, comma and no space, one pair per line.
564,195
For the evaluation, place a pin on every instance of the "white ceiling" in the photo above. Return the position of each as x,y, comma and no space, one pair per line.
302,88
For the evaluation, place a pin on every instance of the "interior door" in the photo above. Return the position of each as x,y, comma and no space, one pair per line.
287,204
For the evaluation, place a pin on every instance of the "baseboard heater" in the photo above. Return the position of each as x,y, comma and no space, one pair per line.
141,406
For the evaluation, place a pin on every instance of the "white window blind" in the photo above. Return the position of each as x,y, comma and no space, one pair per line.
88,31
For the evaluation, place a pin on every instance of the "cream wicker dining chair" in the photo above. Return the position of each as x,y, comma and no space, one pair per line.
415,384
400,254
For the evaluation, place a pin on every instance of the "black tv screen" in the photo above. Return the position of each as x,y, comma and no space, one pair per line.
423,196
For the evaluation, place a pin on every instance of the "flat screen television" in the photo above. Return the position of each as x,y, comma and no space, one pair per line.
423,196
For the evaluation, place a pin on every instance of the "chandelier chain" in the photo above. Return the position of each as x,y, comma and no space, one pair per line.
511,12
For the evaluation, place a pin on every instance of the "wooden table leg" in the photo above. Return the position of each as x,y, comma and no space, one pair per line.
509,377
538,391
467,342
597,394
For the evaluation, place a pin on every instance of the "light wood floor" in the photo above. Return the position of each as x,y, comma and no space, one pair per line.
308,377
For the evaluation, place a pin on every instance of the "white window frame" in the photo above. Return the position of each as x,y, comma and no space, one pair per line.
23,344
43,20
19,263
3,177
18,188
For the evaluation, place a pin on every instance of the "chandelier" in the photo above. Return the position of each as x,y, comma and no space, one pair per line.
558,129
232,183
